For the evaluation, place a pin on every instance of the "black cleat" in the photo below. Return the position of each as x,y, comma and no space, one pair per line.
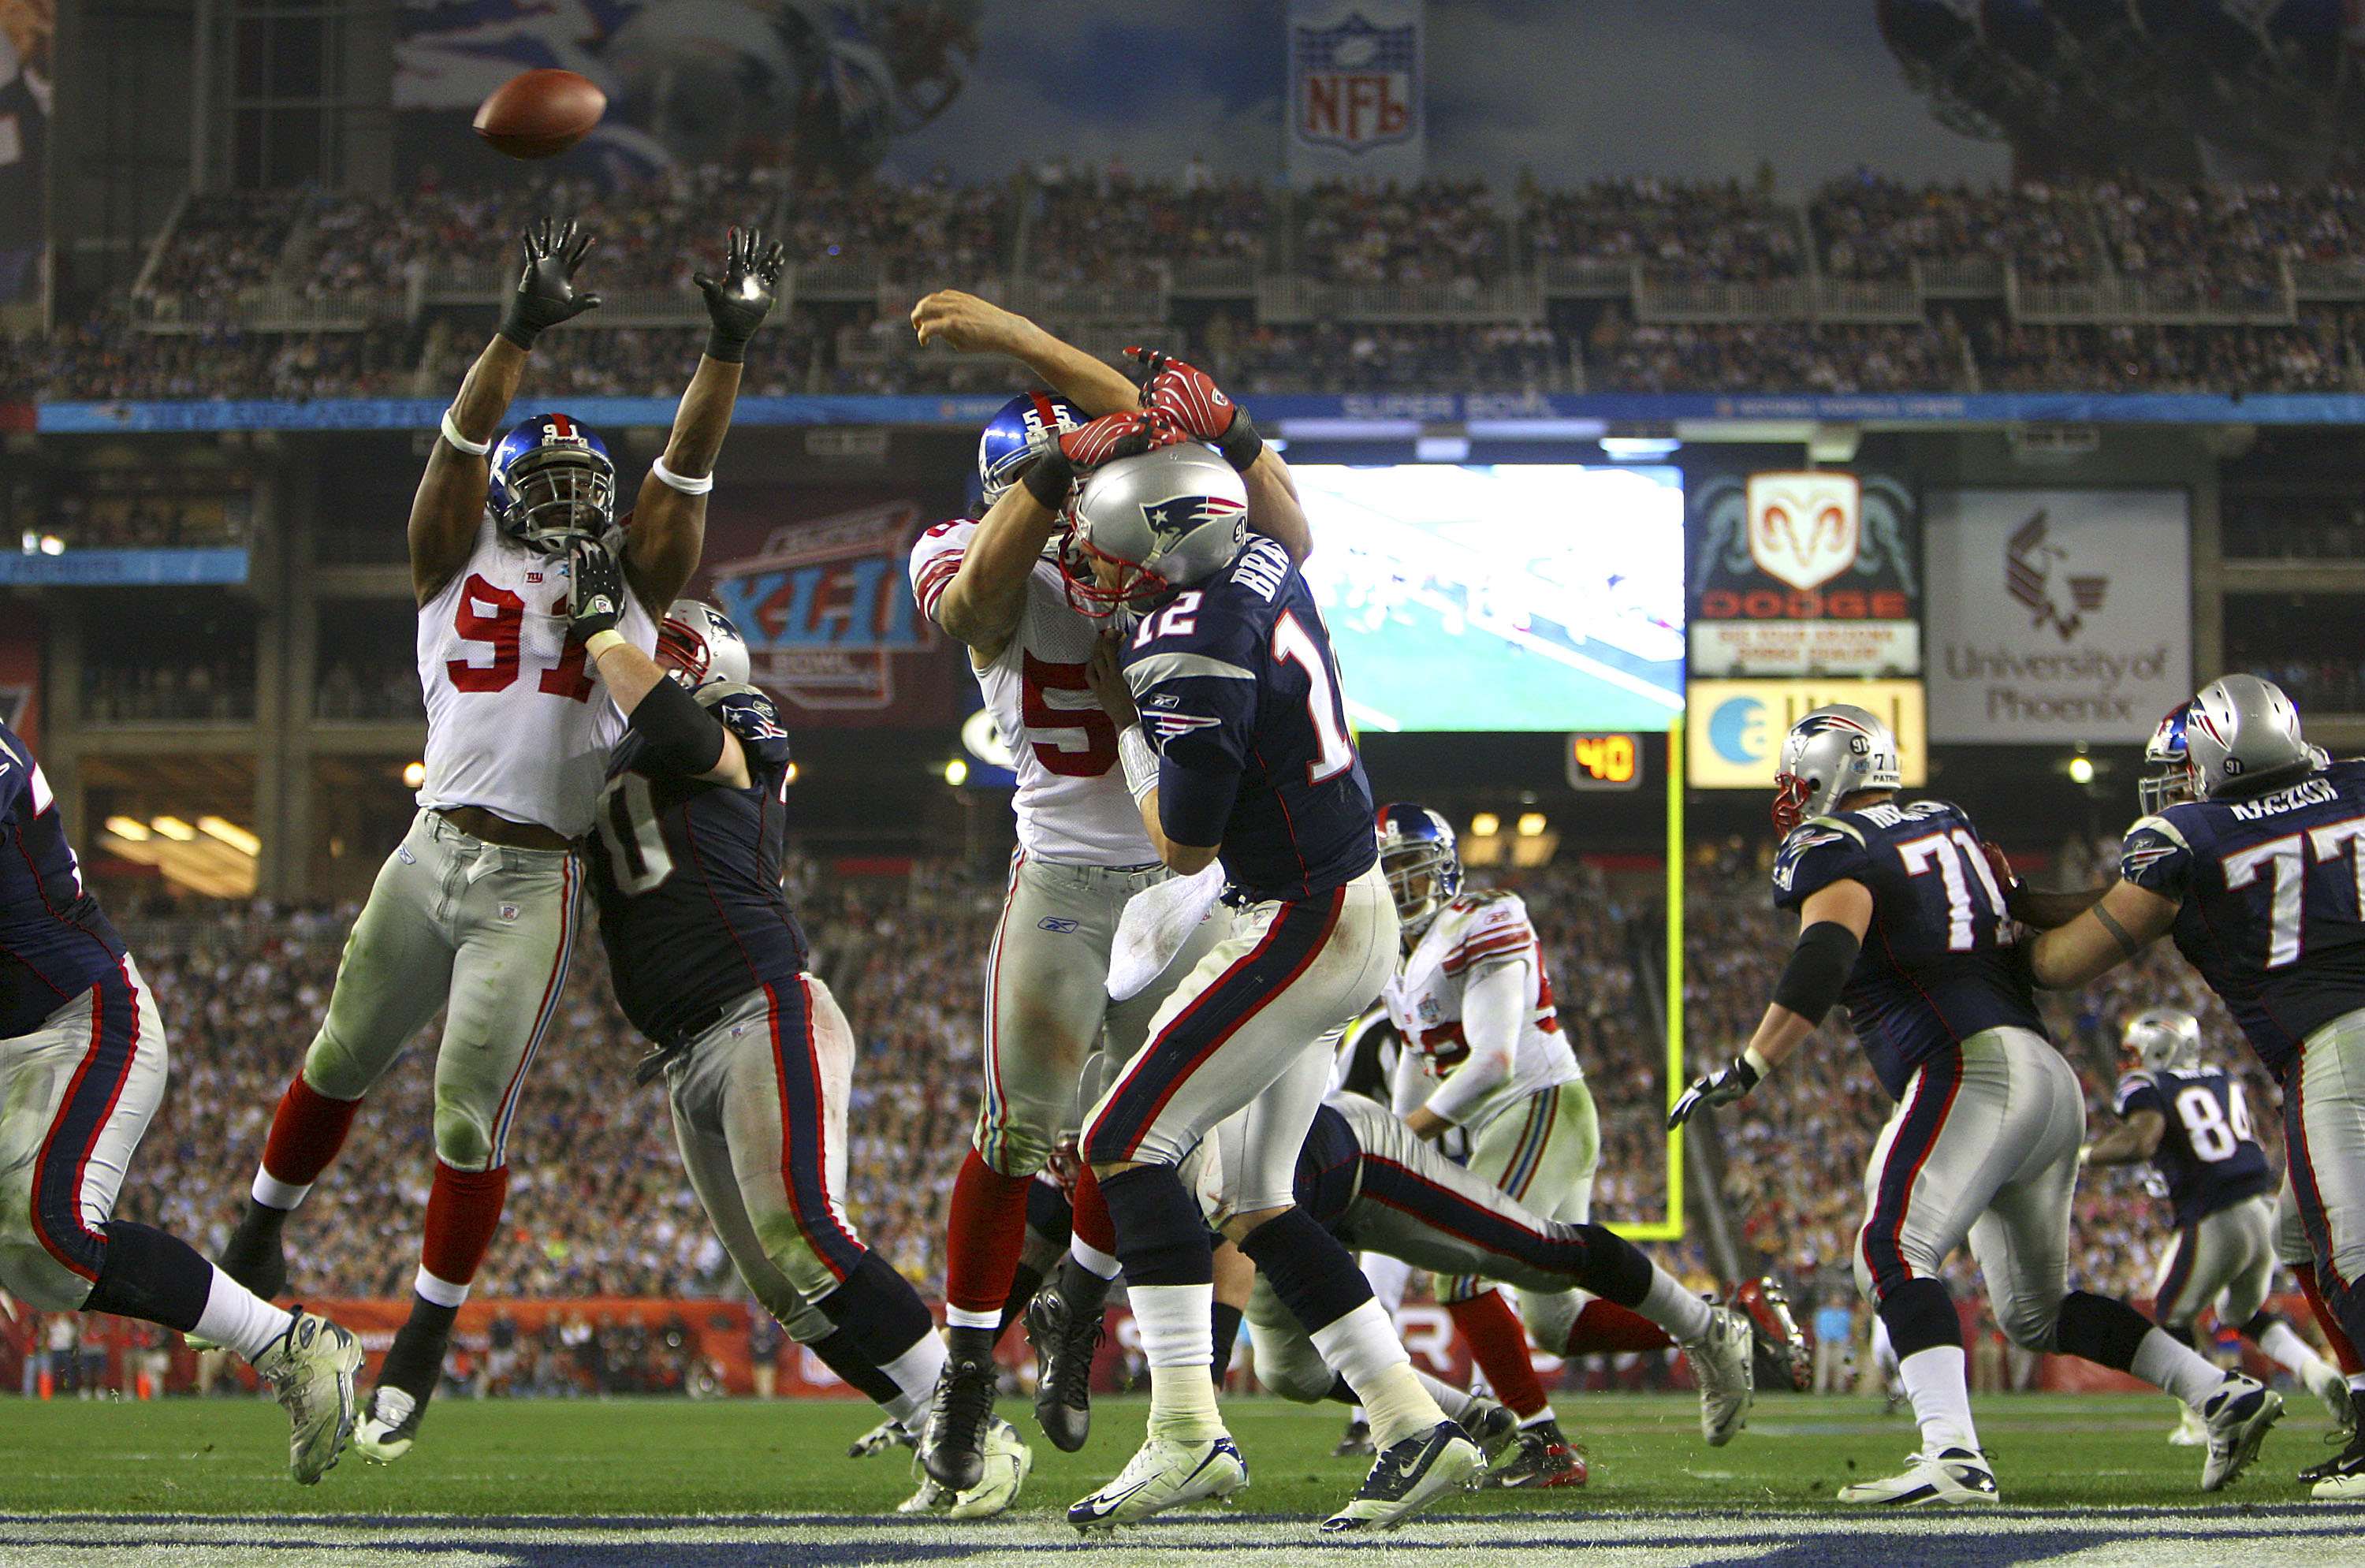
2341,1477
255,1257
1782,1348
1541,1457
1355,1442
1494,1428
953,1450
1411,1476
1065,1342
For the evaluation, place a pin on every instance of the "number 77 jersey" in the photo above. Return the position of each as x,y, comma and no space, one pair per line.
1936,965
2269,889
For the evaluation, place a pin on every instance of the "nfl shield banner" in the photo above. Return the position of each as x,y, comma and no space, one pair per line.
1355,90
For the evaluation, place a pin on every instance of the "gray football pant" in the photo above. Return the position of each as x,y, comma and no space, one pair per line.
2225,1260
1046,1002
1983,1148
2323,1126
483,931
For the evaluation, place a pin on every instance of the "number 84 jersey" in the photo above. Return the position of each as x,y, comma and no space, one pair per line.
2207,1158
1936,965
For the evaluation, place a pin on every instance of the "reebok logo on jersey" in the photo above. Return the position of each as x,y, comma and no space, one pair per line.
1054,922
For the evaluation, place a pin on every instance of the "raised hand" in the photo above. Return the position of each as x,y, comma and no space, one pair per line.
594,589
967,324
1190,396
737,302
546,292
1722,1087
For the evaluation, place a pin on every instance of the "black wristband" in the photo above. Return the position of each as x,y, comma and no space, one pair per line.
1050,479
521,333
677,736
1818,970
727,347
1241,445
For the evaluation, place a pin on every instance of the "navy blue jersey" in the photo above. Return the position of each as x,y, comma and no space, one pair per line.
2206,1158
1239,693
2269,894
1936,965
55,942
688,875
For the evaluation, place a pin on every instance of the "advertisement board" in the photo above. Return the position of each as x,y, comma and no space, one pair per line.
2058,616
1810,573
1737,725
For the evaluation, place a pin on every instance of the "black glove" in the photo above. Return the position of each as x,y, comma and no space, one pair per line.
738,304
1720,1088
594,589
546,292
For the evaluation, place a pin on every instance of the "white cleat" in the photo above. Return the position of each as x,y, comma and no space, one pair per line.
930,1498
2333,1389
310,1370
1165,1473
1409,1475
2191,1432
2239,1416
1007,1462
1953,1475
1724,1365
388,1428
888,1433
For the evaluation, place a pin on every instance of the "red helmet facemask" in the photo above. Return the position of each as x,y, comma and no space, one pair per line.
683,655
1135,585
1790,793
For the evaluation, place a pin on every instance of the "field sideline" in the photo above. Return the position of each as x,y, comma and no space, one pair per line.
2091,1481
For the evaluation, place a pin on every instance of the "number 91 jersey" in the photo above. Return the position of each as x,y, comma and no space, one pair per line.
2207,1158
1071,801
1936,965
516,721
2269,889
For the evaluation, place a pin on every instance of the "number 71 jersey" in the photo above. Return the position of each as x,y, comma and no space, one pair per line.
516,721
1936,965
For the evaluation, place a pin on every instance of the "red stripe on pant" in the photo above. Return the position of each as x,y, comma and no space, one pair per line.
1884,1228
90,1099
2180,1274
804,1137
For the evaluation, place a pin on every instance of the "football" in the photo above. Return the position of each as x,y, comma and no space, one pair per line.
541,113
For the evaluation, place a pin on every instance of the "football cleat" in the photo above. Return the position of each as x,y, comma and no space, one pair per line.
2340,1478
310,1370
2191,1432
930,1498
1007,1462
1356,1440
1491,1425
1065,1342
1778,1339
1952,1475
1164,1472
2238,1415
1408,1476
1724,1366
390,1425
2333,1389
1541,1457
887,1434
954,1449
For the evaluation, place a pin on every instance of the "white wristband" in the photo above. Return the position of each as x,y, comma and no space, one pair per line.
1140,761
686,486
451,433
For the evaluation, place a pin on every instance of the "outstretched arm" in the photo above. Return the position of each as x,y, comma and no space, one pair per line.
1831,923
969,325
677,736
2123,922
2130,1142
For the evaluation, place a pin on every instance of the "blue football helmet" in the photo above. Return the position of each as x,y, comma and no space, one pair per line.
553,482
1418,856
2168,776
1008,442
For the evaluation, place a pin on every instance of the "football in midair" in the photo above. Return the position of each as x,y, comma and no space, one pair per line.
541,114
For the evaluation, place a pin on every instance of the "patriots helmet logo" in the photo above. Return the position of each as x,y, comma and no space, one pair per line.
1174,518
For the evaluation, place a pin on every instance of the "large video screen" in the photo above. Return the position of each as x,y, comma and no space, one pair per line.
1513,597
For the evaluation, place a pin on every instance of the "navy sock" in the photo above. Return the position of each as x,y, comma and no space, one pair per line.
1921,1316
2097,1329
839,1354
1161,1236
1314,1277
1224,1324
151,1275
878,1312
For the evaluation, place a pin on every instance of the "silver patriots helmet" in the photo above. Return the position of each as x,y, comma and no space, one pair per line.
698,645
2161,1037
1166,519
2242,734
1828,755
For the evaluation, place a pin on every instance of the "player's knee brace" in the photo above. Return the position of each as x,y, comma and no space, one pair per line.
2092,1328
1313,1275
878,1308
1161,1236
463,1138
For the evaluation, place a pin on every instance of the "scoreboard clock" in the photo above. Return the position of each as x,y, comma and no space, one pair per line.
1605,761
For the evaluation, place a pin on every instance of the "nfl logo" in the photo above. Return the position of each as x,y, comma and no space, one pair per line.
1804,528
1354,83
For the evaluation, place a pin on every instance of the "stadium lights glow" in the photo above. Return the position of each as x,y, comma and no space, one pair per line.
1441,449
130,828
792,773
1530,823
230,833
2081,771
1485,825
1639,448
173,828
956,772
414,774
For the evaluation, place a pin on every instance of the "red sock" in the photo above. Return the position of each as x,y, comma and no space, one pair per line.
306,1133
2343,1351
985,1233
1604,1328
1091,1224
464,1210
1499,1343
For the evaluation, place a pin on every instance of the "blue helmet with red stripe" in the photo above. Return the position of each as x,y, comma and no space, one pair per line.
1008,442
1419,858
553,482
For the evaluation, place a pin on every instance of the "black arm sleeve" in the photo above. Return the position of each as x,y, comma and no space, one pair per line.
1818,968
677,736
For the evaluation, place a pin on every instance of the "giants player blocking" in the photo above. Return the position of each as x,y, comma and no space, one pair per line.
2191,1121
1081,852
1228,663
2258,873
474,912
1983,1145
82,1070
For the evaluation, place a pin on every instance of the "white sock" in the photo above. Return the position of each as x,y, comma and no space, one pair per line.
241,1319
915,1373
2180,1370
274,1193
1682,1315
964,1317
1537,1419
1456,1402
1942,1397
1180,1347
2288,1350
443,1293
1363,1349
1093,1259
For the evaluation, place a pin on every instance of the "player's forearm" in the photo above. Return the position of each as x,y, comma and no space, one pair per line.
1493,1009
628,674
1779,1033
2118,925
981,605
450,501
1274,508
1091,386
487,390
703,419
2120,1146
2050,911
677,736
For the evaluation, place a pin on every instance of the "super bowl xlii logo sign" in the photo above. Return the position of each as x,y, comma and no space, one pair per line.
826,609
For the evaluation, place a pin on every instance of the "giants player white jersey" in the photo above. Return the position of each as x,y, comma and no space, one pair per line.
1424,999
1072,800
516,721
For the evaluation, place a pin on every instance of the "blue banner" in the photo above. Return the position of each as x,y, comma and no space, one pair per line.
125,568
